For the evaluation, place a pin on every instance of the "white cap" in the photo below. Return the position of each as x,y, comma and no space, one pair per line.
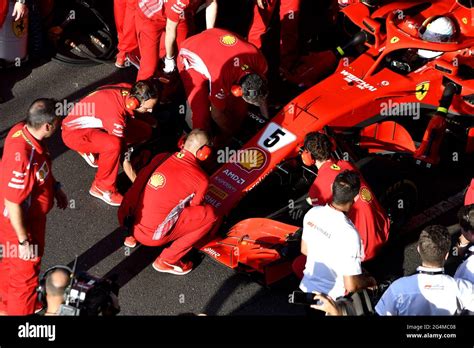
442,29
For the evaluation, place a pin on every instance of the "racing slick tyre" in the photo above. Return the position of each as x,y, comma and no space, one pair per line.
393,186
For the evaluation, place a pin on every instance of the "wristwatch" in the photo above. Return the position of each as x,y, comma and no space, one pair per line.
25,242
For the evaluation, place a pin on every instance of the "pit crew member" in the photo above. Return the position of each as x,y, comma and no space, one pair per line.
289,23
367,214
429,291
332,244
102,123
158,18
221,73
124,15
27,193
165,205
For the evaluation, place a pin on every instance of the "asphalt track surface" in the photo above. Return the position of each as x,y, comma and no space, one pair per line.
89,228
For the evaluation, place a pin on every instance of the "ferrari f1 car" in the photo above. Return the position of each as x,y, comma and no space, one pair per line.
359,104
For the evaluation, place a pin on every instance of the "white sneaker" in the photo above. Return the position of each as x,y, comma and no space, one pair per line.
90,159
111,198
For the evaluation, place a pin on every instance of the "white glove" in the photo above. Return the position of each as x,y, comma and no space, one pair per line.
170,65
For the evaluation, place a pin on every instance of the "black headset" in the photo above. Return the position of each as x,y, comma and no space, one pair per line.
41,289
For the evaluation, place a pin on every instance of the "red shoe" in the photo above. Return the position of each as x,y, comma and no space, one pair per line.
112,198
130,242
90,159
120,61
180,268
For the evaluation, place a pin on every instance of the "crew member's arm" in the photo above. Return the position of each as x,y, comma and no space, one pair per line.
211,13
170,43
20,9
17,220
225,123
354,283
200,193
327,304
264,110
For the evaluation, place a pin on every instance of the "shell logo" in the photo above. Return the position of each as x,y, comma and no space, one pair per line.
228,40
365,194
252,159
157,180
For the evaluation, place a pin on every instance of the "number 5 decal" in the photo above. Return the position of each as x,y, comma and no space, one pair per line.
275,137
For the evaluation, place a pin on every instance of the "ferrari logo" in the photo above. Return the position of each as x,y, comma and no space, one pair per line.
365,194
464,20
17,134
228,40
422,90
180,155
394,40
124,93
20,27
335,167
157,181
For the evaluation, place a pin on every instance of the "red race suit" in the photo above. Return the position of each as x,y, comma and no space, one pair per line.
124,14
367,214
166,201
151,20
26,179
100,124
209,64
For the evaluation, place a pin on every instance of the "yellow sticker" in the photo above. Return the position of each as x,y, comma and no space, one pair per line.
228,40
17,134
394,40
180,155
365,194
217,192
464,20
157,180
20,27
422,90
335,167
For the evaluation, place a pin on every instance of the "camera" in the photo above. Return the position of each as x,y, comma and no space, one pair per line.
90,296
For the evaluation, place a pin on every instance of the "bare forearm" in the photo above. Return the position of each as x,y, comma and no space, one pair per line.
17,221
170,38
211,13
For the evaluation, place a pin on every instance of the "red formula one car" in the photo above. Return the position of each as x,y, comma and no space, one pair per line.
360,101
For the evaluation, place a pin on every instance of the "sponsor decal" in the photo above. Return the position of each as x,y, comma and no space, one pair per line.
17,134
212,252
212,201
180,155
255,160
228,40
157,181
394,40
225,184
365,194
275,137
20,27
217,192
234,177
422,90
335,167
43,172
359,82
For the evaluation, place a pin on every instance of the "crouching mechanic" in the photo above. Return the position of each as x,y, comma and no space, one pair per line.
332,244
27,192
221,74
101,124
165,204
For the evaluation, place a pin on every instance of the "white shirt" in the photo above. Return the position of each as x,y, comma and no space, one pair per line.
426,294
466,269
334,250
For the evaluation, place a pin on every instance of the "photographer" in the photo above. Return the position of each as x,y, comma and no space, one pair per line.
465,244
55,284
